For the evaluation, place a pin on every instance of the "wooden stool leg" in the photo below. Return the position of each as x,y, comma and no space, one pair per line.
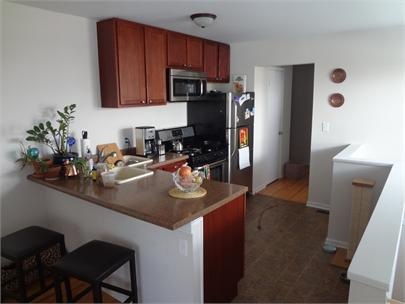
21,282
68,288
58,290
132,271
40,270
62,247
97,297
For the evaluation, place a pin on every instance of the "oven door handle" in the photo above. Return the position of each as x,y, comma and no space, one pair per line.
220,162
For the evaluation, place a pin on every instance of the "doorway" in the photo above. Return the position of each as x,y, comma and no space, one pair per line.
289,96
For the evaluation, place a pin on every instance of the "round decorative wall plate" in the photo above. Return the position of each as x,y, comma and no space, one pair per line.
336,100
338,75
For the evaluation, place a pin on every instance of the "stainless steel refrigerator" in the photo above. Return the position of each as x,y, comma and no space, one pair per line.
228,118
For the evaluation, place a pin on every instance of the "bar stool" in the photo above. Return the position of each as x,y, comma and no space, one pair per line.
27,243
93,263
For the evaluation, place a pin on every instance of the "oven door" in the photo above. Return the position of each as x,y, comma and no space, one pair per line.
217,171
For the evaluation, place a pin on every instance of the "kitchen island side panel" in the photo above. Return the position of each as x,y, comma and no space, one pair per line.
224,244
164,272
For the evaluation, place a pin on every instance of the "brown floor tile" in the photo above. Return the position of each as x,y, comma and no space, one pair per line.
284,261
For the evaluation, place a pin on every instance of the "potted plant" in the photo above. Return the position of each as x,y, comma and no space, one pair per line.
43,168
57,137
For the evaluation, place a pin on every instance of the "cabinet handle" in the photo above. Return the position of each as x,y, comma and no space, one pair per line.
150,100
189,65
185,65
143,101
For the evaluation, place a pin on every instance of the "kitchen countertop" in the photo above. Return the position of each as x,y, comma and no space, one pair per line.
147,198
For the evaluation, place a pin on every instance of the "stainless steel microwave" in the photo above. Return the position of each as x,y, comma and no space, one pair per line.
185,85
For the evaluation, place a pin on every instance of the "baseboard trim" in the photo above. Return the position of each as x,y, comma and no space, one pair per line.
337,243
317,205
258,189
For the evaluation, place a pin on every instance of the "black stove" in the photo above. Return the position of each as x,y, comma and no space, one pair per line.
204,152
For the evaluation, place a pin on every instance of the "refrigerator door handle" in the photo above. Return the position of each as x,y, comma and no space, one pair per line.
234,142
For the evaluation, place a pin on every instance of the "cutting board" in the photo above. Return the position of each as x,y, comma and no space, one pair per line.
109,148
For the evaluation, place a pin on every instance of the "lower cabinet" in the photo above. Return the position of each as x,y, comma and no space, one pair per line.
172,167
224,243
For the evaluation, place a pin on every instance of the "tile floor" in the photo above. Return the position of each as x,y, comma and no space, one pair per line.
284,261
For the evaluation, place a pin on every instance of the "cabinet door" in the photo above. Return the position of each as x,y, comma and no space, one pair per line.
176,50
155,55
223,62
195,53
131,63
173,167
224,244
211,60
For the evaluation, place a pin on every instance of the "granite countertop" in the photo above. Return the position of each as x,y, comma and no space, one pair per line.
147,199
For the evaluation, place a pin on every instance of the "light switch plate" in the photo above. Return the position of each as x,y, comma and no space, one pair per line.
325,127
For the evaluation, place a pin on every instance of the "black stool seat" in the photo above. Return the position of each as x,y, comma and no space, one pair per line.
93,262
28,242
24,244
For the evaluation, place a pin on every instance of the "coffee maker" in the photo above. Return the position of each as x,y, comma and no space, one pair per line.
145,141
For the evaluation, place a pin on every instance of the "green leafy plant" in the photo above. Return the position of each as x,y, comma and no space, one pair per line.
54,137
82,166
27,159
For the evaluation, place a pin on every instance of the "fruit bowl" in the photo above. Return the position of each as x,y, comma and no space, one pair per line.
189,183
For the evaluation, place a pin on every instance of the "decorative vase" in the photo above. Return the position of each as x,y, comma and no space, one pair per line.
59,159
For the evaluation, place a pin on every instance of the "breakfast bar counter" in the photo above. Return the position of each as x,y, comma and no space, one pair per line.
147,198
187,250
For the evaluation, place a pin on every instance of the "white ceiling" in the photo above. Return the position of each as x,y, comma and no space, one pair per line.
243,20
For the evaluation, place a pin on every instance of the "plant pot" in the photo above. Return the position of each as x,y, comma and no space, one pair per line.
59,159
37,168
53,172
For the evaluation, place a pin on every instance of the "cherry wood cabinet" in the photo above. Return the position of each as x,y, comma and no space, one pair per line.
155,58
133,59
194,53
183,51
172,167
176,50
211,60
223,62
132,63
224,243
216,61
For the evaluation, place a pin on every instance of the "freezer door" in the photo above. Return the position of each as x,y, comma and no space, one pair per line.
235,175
240,109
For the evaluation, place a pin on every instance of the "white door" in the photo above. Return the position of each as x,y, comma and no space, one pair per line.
274,117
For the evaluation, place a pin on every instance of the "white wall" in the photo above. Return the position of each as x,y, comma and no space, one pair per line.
372,113
50,60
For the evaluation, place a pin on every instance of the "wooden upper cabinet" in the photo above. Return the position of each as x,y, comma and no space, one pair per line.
194,53
216,61
184,52
176,50
223,62
211,60
121,53
155,55
131,63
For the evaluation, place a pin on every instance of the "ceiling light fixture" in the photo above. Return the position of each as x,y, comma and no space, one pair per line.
203,19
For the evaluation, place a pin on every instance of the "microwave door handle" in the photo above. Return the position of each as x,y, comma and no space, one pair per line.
201,87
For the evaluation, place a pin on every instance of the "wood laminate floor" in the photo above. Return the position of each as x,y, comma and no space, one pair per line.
284,261
77,286
293,190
